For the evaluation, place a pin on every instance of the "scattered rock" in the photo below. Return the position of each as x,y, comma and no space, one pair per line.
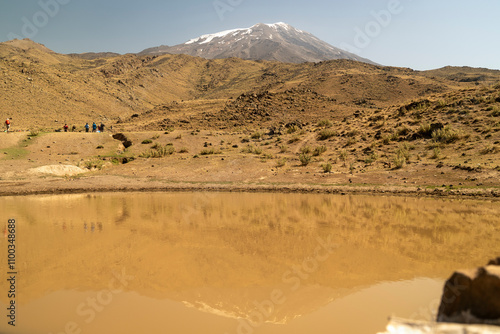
58,170
495,262
472,296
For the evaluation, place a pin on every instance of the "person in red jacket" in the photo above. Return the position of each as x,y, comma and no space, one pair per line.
7,124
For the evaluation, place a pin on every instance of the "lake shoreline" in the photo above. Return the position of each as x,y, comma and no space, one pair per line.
114,184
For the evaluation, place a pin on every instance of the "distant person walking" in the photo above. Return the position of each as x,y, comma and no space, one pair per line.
66,127
73,129
87,127
94,127
102,127
7,124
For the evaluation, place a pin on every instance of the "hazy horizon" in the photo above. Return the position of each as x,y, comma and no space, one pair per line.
421,35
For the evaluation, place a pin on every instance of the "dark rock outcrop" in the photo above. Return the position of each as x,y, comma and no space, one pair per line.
125,141
472,296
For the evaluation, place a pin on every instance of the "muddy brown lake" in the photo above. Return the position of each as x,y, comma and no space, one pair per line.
231,263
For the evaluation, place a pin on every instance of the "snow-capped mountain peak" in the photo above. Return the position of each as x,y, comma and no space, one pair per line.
276,42
204,39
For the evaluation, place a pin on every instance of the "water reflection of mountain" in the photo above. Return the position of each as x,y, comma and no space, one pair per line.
223,252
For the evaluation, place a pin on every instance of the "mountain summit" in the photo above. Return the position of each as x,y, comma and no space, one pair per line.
274,42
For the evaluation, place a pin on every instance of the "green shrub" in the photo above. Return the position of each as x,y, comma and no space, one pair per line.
352,167
326,134
250,149
33,133
210,151
425,130
319,150
146,141
403,151
94,164
164,151
327,168
399,161
478,100
305,150
305,159
343,155
436,153
352,133
371,159
256,135
441,103
184,150
324,124
281,162
351,141
292,129
158,151
446,135
283,149
267,156
403,131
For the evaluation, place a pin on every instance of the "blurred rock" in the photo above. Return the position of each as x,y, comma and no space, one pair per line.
472,296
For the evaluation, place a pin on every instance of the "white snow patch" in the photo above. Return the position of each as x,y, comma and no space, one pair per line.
279,25
204,39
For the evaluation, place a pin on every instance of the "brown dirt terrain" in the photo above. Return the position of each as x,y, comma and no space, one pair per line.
241,125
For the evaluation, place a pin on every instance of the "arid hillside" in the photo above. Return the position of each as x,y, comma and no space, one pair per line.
43,89
195,123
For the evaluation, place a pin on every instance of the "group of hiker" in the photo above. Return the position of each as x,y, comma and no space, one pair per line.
95,127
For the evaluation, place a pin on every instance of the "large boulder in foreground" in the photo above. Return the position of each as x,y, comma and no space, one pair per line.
472,296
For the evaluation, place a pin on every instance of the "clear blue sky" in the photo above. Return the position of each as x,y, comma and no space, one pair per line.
421,34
